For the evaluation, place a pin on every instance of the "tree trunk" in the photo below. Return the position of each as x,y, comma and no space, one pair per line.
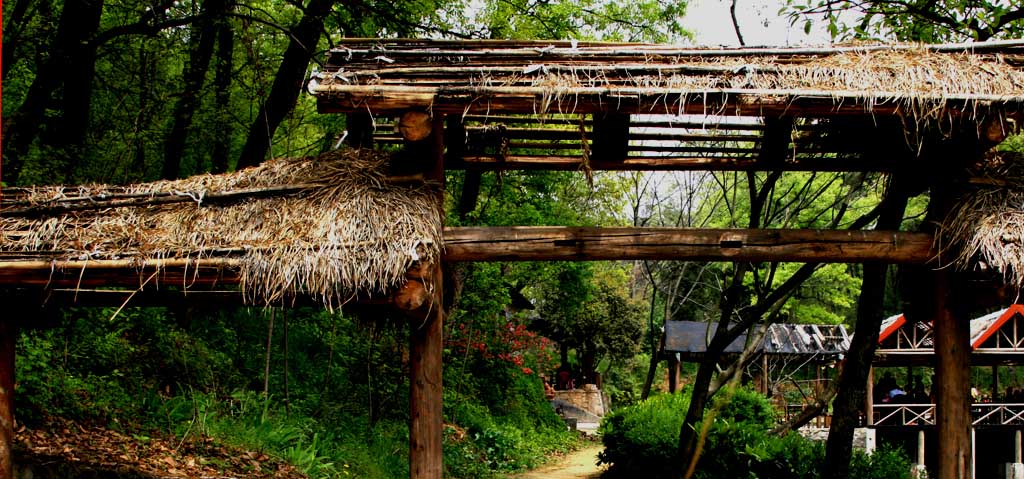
852,382
656,345
652,370
688,453
18,19
73,32
222,89
200,52
77,102
288,82
588,363
137,170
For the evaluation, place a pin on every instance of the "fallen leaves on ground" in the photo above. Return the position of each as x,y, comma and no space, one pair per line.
141,455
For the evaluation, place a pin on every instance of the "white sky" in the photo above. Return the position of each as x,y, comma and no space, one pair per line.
759,20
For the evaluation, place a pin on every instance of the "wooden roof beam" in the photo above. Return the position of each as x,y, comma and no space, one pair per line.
394,99
665,163
555,243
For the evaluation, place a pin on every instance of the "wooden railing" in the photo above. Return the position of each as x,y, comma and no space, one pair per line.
983,414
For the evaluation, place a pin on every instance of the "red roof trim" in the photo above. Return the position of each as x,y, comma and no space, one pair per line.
1003,318
900,321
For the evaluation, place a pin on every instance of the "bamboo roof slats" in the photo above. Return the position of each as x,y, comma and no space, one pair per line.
333,227
550,78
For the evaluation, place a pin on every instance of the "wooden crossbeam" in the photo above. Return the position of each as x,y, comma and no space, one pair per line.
390,99
556,243
667,163
592,244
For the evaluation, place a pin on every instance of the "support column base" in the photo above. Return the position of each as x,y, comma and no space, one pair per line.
870,443
1014,470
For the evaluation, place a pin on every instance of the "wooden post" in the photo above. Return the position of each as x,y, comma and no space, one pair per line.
952,378
425,388
869,398
920,447
360,130
673,373
995,382
766,382
425,338
8,335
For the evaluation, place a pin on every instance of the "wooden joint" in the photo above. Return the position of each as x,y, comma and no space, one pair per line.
415,126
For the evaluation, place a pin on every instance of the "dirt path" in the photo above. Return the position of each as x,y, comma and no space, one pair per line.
581,464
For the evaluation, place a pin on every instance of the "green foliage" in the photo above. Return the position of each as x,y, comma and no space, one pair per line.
641,440
645,20
929,22
884,463
194,373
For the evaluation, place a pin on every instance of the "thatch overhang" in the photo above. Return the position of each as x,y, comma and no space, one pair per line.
626,106
574,77
331,228
984,231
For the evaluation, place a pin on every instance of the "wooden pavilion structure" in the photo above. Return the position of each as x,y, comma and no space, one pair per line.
776,352
996,339
923,114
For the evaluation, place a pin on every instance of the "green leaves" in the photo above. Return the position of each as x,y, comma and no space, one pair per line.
929,22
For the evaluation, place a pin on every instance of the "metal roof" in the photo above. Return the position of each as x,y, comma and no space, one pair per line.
691,337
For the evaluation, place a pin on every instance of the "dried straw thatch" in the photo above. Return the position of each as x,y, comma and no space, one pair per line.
921,78
331,227
986,226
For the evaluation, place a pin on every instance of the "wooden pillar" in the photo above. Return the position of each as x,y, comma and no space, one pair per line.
673,373
425,338
766,381
952,378
869,398
920,447
425,388
360,130
995,383
8,334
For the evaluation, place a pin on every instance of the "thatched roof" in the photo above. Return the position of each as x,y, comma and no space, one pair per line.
332,227
985,229
572,77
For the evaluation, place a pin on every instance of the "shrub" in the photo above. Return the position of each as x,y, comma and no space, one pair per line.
884,463
641,440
